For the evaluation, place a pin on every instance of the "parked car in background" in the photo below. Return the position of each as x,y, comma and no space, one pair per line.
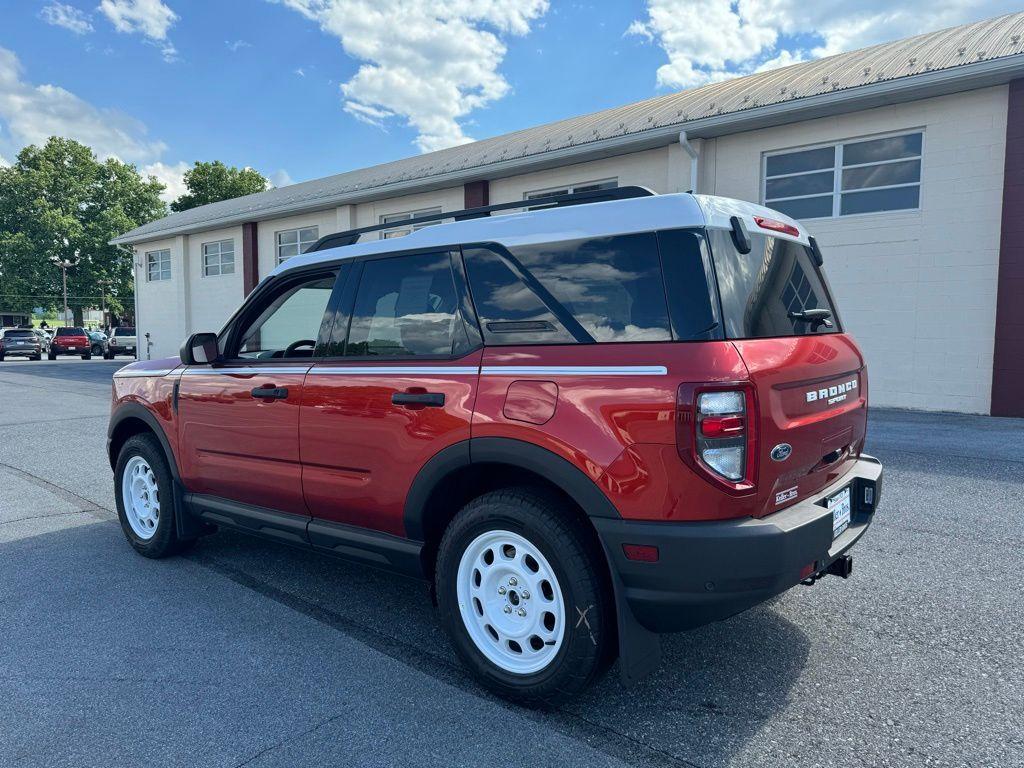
44,338
21,342
586,425
100,342
70,341
122,342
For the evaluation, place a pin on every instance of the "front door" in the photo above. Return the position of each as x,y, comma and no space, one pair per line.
398,387
239,420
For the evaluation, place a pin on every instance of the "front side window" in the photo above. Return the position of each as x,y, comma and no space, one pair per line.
158,265
292,242
407,307
766,292
868,176
289,324
219,258
400,230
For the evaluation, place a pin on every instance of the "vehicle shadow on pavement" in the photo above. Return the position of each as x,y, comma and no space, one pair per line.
716,689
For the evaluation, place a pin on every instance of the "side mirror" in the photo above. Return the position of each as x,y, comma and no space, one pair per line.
200,349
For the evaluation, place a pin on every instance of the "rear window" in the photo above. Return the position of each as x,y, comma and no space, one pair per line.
124,331
70,332
18,332
607,289
765,291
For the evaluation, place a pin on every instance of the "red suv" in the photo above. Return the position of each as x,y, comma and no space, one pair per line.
623,415
70,341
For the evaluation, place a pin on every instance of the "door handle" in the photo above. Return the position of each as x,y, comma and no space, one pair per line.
270,393
421,399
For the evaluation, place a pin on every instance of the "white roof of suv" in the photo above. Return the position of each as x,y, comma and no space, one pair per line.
573,222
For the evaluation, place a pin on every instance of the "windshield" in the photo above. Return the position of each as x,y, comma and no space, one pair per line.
124,331
775,290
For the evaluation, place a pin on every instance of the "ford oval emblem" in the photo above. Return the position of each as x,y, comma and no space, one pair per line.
781,451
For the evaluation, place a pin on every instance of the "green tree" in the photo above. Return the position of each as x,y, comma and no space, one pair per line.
59,201
212,182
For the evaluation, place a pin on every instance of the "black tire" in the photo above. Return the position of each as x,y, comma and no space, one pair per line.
1,358
51,356
108,355
37,357
96,349
165,541
87,356
587,643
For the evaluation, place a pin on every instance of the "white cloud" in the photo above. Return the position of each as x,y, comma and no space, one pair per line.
428,63
150,18
711,40
172,176
33,113
236,45
67,16
299,71
4,162
281,178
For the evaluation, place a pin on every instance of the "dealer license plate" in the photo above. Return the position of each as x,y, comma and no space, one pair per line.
839,506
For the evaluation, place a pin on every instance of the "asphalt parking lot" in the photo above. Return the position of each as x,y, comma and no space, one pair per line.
244,653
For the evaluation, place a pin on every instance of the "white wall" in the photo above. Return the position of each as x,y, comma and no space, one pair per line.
916,289
160,312
215,297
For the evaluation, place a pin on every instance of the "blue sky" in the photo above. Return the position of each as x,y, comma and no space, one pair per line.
304,88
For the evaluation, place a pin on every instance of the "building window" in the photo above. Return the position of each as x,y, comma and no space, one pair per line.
219,258
571,189
158,265
868,176
292,242
398,218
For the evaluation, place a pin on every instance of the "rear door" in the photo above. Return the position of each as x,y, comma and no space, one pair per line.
394,386
239,421
809,376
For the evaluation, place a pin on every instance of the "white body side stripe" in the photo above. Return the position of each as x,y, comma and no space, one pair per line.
143,373
574,370
244,371
438,370
410,370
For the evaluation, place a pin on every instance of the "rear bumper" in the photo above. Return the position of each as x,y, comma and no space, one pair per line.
21,351
708,571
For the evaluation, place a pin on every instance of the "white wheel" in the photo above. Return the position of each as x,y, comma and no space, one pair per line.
141,497
511,603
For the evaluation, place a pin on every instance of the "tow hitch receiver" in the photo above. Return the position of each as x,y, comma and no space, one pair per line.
842,566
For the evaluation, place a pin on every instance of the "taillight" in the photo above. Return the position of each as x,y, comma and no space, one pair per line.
717,433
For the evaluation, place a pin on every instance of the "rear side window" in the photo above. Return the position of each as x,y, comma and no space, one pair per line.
407,307
765,292
607,289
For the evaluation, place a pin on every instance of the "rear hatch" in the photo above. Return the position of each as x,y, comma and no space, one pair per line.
71,337
808,377
16,338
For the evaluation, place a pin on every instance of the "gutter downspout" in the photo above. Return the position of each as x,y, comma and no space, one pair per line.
694,154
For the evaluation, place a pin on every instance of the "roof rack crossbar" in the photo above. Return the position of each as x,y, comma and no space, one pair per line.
555,201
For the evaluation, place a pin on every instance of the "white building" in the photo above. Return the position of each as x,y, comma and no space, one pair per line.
905,160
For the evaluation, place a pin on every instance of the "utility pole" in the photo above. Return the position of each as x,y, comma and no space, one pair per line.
64,263
104,284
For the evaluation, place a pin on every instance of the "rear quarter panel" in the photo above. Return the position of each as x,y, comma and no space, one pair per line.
617,429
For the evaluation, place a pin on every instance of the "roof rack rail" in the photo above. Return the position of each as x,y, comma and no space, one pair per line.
555,201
